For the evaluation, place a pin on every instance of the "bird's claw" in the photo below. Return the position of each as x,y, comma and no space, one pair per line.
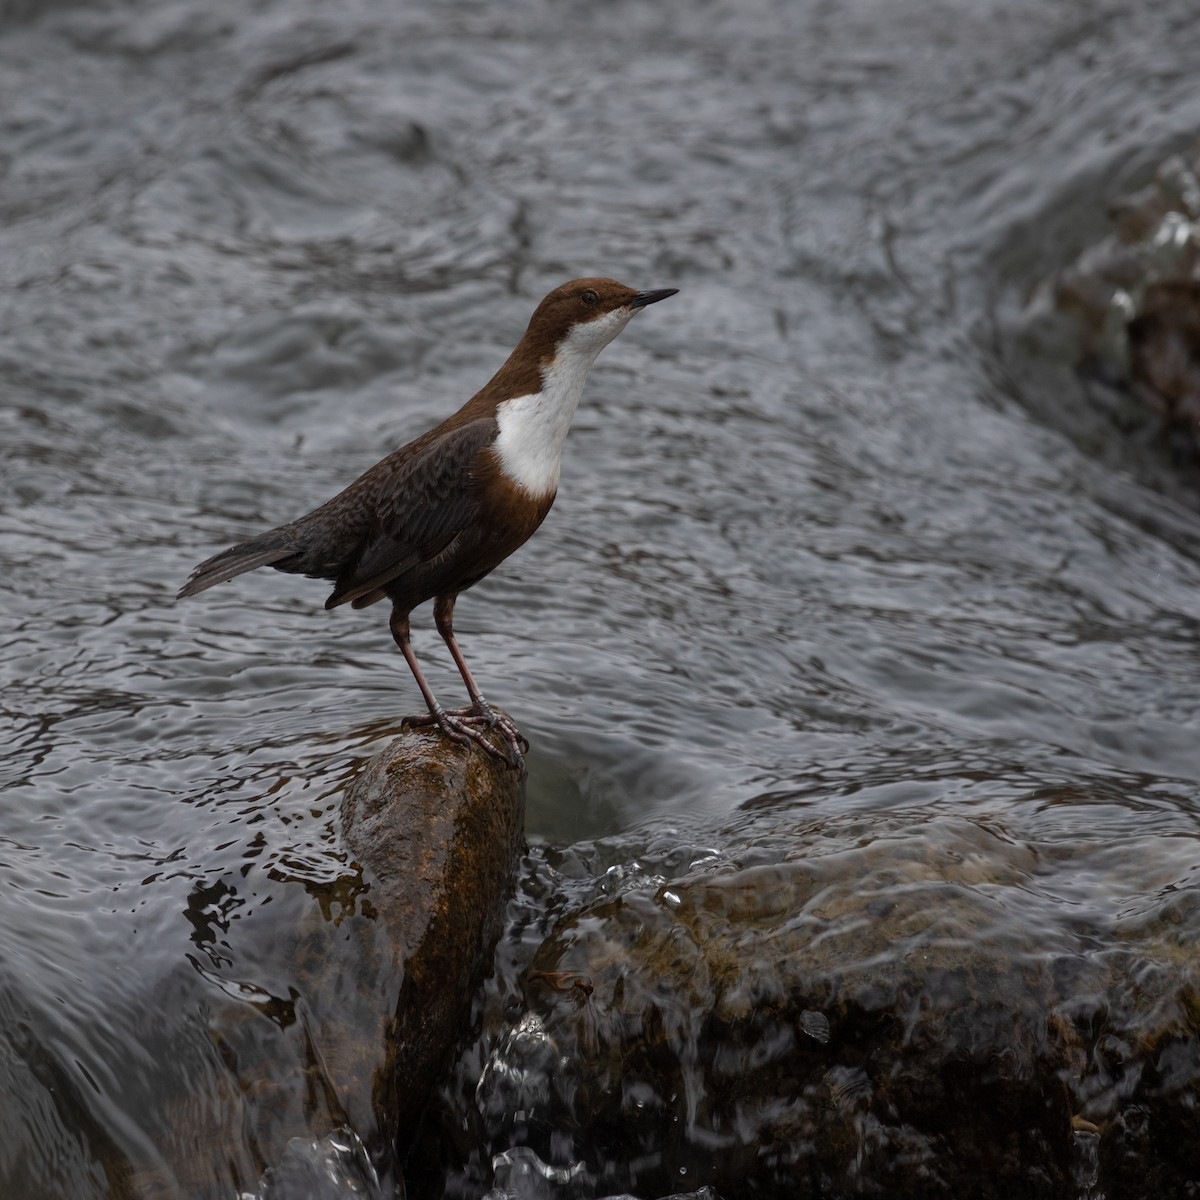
463,725
484,714
507,728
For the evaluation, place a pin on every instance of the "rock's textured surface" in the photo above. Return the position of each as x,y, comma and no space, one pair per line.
886,1008
1164,360
1131,303
439,826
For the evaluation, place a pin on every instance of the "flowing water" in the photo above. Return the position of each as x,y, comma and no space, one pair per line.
826,540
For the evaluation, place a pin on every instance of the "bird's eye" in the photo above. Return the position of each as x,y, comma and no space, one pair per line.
589,297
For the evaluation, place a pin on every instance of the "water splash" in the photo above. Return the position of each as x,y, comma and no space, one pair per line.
335,1168
1085,1160
521,1175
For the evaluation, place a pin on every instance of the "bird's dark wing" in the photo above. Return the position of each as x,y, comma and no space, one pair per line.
419,499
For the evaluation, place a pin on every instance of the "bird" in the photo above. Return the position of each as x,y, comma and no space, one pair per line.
435,516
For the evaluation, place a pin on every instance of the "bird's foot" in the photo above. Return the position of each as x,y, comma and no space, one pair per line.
464,725
501,722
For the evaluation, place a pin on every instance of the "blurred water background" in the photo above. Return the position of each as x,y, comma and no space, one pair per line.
827,543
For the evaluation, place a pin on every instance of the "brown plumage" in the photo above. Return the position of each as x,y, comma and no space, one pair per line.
434,517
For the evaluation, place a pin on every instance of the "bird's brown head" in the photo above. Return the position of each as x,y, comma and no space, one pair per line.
589,312
567,330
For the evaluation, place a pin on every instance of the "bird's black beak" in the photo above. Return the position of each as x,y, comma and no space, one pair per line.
644,298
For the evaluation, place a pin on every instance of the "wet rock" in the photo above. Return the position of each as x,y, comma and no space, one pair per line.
439,826
1164,360
1134,302
887,1008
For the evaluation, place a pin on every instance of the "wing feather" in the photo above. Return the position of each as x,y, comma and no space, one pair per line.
420,502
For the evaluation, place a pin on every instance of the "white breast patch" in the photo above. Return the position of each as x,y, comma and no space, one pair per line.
529,445
534,427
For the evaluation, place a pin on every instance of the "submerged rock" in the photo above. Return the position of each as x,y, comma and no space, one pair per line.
887,1007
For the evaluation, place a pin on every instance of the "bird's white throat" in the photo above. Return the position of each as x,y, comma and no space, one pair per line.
534,427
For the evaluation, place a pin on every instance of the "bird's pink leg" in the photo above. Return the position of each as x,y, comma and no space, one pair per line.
457,726
443,616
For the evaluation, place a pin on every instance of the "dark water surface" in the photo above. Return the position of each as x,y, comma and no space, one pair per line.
814,549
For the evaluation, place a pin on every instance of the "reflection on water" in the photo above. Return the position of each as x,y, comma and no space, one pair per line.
818,555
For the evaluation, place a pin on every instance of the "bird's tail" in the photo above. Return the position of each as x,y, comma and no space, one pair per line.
268,549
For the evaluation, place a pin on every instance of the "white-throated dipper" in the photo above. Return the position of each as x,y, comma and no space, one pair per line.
437,515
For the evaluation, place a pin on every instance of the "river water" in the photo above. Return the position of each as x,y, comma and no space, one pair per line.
825,539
